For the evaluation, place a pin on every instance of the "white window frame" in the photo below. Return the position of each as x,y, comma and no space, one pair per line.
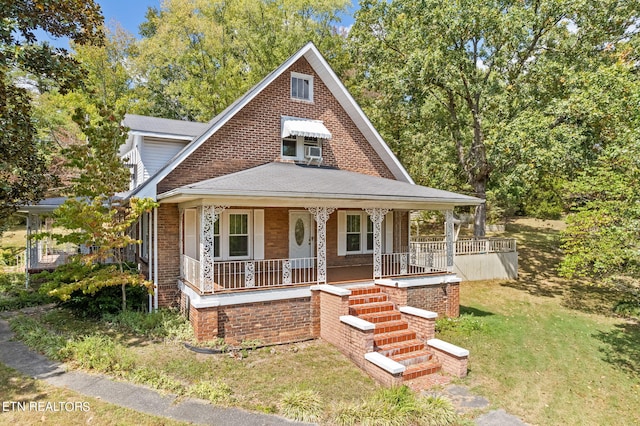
364,220
300,76
387,233
301,142
225,233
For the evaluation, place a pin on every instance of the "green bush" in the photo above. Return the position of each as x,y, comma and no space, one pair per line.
106,300
464,324
164,323
301,405
14,295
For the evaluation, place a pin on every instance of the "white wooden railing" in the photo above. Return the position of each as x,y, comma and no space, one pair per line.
252,274
413,263
191,270
488,245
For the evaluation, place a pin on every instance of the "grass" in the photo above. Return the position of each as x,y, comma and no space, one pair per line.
546,349
550,350
16,387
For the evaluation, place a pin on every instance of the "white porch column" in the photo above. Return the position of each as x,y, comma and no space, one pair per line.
208,216
449,235
321,216
181,239
377,216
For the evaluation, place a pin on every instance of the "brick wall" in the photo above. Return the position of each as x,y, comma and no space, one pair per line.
253,136
451,364
442,298
425,328
168,254
271,322
352,342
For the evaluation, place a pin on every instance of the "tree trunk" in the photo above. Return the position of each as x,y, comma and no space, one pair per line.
480,218
124,297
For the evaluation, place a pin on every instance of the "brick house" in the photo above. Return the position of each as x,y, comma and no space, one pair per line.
286,217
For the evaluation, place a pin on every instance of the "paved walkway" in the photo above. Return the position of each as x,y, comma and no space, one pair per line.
16,355
140,398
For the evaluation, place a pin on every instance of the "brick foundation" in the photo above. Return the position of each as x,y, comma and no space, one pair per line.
442,298
271,322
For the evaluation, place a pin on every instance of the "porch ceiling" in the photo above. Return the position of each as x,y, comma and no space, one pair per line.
287,184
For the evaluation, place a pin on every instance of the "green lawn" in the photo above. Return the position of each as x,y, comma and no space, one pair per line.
18,388
544,348
549,350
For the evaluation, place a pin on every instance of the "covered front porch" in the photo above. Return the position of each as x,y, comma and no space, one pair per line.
374,249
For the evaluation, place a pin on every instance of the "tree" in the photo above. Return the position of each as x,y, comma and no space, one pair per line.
95,216
602,239
27,66
197,57
483,74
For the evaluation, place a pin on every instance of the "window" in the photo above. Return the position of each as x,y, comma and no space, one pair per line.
357,234
238,235
216,239
294,147
353,232
301,87
289,147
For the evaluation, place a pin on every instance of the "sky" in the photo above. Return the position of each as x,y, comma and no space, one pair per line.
130,13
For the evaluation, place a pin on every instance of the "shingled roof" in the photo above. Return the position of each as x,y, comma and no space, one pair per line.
296,181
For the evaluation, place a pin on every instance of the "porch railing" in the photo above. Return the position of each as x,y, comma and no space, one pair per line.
252,274
488,245
418,260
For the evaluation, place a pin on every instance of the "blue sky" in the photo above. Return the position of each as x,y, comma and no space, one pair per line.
130,13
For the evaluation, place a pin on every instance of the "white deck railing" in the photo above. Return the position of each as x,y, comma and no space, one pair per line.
413,263
467,246
252,274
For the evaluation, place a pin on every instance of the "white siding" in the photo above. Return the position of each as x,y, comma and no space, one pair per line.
157,152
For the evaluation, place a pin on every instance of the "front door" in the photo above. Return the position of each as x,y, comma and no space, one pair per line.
301,239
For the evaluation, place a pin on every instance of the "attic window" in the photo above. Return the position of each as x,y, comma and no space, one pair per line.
301,87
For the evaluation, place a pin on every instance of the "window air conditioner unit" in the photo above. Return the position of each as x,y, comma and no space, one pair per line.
313,153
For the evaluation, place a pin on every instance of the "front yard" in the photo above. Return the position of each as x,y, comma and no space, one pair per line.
543,348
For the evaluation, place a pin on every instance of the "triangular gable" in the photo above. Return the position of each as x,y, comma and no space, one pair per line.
335,86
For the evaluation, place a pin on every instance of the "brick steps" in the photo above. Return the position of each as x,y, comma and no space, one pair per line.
419,370
370,308
389,326
368,298
382,317
392,336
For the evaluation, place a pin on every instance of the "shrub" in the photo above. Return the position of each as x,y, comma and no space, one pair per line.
104,300
101,353
14,295
164,323
398,406
216,392
464,324
301,405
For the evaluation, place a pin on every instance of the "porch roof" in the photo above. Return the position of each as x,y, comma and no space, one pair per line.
288,184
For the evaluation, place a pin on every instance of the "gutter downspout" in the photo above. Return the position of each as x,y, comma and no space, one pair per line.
155,258
150,258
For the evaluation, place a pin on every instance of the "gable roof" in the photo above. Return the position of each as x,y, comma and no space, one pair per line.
335,86
300,184
164,126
